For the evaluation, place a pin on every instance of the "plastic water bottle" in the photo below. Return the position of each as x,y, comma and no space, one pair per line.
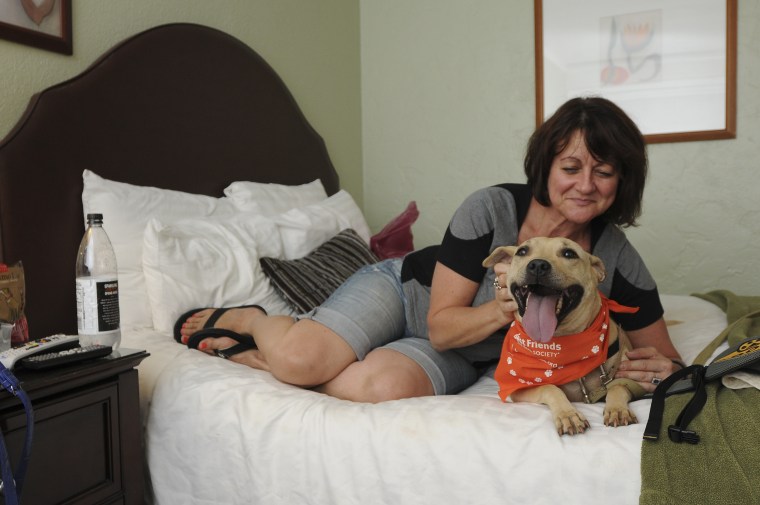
97,287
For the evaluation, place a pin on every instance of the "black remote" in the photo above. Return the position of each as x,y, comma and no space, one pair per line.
53,359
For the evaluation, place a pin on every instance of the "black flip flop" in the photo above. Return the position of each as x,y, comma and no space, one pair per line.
211,320
245,342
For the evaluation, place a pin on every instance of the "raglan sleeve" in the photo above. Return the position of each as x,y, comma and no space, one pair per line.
473,232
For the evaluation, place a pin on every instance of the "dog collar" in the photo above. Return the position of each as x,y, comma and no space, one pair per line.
526,363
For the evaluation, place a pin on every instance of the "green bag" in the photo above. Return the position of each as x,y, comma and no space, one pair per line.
743,356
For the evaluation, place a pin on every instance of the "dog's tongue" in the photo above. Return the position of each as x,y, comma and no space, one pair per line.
539,319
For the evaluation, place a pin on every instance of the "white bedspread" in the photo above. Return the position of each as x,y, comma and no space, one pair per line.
219,432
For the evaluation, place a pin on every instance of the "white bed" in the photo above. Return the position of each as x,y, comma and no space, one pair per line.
219,432
202,128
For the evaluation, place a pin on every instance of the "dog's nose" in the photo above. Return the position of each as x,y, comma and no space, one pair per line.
539,268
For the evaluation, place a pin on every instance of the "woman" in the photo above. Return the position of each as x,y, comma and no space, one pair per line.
430,323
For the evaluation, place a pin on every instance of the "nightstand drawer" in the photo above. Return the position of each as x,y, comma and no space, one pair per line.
76,451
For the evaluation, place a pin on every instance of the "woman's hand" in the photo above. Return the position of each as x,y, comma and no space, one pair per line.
647,366
651,359
502,293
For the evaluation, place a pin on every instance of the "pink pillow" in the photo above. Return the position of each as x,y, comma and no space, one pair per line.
395,239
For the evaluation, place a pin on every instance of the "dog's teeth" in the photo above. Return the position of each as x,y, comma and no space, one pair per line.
559,306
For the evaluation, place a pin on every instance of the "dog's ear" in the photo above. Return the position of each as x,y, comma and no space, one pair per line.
500,254
598,266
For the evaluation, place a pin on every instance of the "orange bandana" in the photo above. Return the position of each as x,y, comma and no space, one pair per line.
525,362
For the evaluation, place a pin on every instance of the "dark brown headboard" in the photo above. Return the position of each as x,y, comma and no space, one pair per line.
179,106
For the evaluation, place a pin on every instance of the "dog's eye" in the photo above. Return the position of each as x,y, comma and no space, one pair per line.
569,254
522,251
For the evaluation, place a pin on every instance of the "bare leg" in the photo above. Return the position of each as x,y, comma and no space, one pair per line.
307,354
383,375
303,353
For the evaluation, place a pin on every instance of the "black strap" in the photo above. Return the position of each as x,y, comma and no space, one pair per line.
676,433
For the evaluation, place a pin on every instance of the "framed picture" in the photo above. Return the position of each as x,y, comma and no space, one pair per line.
40,23
670,64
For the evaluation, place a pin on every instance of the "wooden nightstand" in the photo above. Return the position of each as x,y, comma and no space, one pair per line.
87,445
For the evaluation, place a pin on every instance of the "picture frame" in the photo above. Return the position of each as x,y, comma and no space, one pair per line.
45,24
669,64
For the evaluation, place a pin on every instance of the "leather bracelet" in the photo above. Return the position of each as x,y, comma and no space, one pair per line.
679,363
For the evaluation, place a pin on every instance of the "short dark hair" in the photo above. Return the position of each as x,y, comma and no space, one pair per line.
611,137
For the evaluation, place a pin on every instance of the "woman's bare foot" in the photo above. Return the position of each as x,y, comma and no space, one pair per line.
236,319
250,357
239,320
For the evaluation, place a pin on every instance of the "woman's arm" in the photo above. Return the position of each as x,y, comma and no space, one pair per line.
452,321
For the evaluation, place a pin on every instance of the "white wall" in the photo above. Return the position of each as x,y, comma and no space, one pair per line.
448,104
313,45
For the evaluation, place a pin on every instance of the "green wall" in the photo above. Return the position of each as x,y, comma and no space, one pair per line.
313,45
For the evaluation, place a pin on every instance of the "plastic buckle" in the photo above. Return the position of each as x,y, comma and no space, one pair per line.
679,435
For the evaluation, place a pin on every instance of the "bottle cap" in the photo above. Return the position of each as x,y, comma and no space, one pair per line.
94,217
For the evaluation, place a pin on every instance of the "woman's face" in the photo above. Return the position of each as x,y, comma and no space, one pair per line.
580,187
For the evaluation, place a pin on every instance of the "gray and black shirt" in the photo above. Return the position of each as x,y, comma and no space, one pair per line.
492,217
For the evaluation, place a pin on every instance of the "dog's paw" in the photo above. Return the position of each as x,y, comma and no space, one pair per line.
570,422
621,416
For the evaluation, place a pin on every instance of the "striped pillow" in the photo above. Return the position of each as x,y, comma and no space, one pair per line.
306,282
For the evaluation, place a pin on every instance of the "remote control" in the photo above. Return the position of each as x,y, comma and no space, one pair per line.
57,358
54,342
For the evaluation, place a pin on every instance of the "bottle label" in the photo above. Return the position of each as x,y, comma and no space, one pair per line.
97,305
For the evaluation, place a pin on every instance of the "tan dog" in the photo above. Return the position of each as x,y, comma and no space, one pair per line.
555,285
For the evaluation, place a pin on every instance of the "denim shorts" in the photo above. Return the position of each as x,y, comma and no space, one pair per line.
369,312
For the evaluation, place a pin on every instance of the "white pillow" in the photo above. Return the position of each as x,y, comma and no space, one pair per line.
270,199
126,210
209,262
214,262
306,228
